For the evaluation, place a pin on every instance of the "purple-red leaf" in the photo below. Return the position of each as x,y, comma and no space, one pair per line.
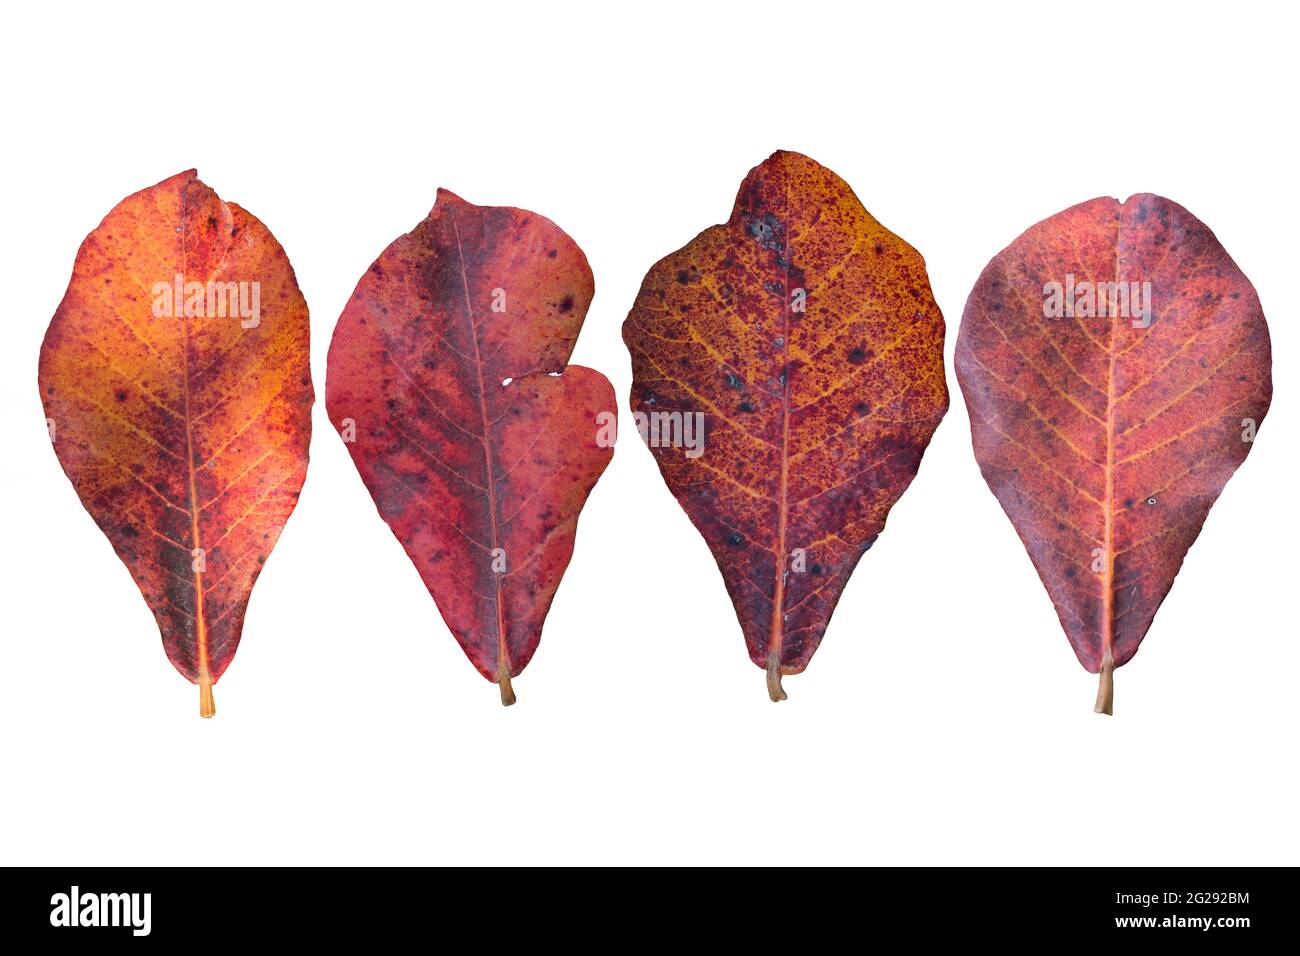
1116,366
448,381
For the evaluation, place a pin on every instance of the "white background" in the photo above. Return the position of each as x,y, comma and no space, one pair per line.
944,719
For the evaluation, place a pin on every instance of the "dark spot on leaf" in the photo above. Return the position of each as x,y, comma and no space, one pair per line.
768,231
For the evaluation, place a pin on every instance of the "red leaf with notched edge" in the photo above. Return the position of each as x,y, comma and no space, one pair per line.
447,380
1108,424
182,414
803,335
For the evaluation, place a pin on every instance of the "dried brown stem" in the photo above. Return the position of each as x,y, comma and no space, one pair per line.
774,688
1106,687
207,706
507,691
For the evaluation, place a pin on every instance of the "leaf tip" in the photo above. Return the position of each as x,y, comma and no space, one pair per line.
183,178
445,197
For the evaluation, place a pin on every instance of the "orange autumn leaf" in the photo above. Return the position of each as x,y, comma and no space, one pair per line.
1116,365
448,379
178,397
787,375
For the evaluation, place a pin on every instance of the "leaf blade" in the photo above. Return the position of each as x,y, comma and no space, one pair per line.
185,436
475,439
806,335
1108,436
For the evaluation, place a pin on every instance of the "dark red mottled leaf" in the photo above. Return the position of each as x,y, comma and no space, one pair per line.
804,335
1107,428
448,381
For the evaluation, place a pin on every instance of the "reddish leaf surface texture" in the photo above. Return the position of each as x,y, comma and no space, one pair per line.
479,444
178,395
1108,430
803,336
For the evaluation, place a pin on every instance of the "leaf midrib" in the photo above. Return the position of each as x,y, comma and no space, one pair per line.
776,639
503,656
